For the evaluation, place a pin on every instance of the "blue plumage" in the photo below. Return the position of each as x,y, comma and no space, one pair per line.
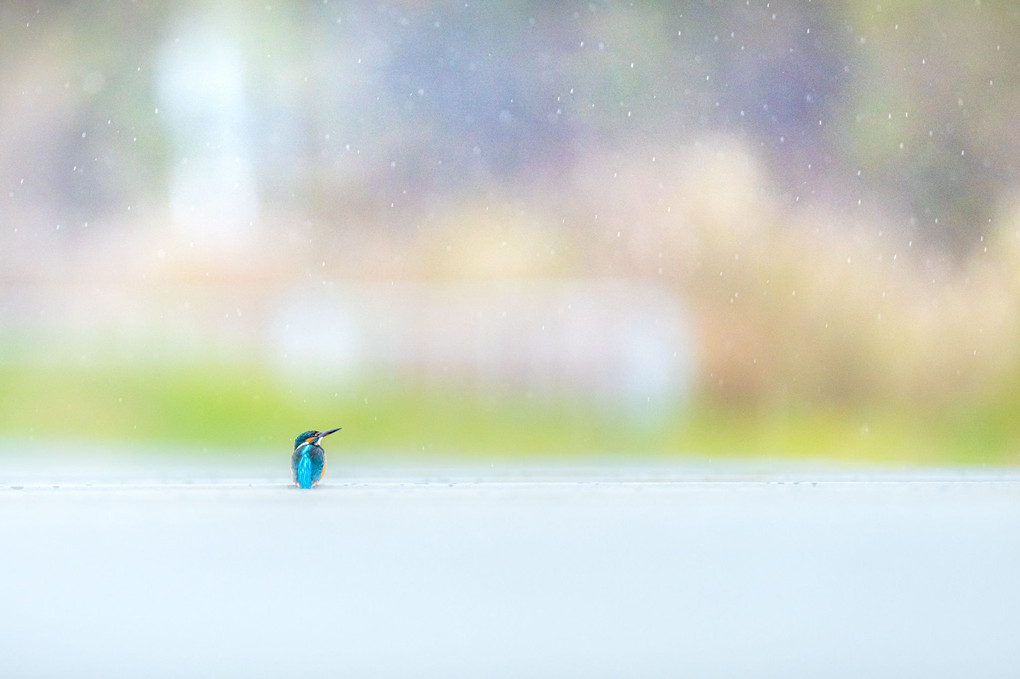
303,475
309,459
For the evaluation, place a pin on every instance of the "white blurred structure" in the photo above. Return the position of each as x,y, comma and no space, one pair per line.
610,338
201,87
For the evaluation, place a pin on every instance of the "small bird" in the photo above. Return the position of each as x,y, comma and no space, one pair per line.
309,459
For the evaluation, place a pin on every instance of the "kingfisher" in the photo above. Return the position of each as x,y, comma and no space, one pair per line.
309,459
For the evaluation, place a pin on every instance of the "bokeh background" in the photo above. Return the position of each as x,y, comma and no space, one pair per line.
521,228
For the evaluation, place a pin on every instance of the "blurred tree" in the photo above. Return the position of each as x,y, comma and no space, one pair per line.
927,115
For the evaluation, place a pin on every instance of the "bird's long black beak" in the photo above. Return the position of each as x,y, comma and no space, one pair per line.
331,431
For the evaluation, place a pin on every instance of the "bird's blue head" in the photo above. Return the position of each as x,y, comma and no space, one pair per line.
312,437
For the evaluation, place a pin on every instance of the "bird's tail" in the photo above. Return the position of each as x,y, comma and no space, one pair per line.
304,471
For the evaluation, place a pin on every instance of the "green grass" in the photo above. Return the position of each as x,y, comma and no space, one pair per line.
230,407
251,408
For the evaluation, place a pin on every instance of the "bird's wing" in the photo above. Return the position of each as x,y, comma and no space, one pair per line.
318,456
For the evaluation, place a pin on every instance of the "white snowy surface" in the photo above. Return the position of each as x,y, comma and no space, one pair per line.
593,571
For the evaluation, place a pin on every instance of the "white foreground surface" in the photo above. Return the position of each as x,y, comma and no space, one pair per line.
580,573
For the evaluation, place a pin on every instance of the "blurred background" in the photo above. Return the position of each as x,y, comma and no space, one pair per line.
512,229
